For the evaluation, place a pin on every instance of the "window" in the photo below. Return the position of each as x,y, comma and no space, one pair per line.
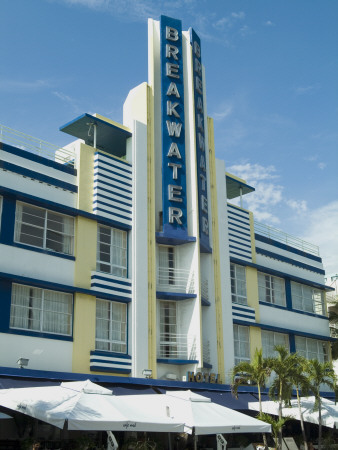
111,326
307,298
312,349
112,251
168,330
166,266
43,228
41,310
271,289
241,343
238,284
270,340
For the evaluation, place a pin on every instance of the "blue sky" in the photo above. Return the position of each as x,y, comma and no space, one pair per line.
272,89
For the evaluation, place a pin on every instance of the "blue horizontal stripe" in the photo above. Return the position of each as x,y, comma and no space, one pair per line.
38,334
288,248
106,279
96,202
41,250
100,166
289,261
252,316
234,221
104,361
240,243
112,185
174,295
109,191
38,159
112,213
177,361
110,288
242,256
236,208
236,306
99,196
38,201
246,239
109,354
118,162
240,249
281,274
246,234
103,177
108,369
37,176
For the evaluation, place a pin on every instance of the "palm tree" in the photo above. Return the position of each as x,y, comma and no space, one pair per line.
320,373
302,386
256,372
283,366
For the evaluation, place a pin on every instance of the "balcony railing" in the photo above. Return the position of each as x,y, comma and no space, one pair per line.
177,346
175,280
205,289
37,146
280,236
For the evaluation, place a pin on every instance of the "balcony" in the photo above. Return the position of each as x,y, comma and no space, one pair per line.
36,146
173,346
175,280
284,238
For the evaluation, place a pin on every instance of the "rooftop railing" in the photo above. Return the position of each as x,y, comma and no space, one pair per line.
36,146
280,236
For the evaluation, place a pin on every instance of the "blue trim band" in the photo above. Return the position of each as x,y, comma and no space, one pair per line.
177,361
61,287
112,185
241,256
235,221
298,311
240,237
110,198
109,354
237,208
99,175
38,159
207,365
103,361
269,241
240,232
108,369
112,213
38,201
37,176
95,202
239,243
252,317
38,334
116,289
42,250
118,161
174,296
284,330
99,167
165,239
281,274
289,261
100,188
104,278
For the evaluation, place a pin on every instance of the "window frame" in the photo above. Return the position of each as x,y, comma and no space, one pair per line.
235,282
307,351
42,312
45,229
118,270
302,299
236,331
269,351
272,290
123,332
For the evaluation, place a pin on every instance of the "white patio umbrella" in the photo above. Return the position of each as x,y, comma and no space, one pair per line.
329,410
87,406
202,416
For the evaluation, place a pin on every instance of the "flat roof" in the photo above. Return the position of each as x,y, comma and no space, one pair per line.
109,137
234,184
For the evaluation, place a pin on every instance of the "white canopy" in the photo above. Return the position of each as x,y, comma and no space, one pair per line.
87,406
329,410
199,413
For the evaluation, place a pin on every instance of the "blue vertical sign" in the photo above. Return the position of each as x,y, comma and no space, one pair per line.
202,175
174,196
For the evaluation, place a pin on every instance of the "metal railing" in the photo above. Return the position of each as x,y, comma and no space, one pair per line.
280,236
175,280
177,346
205,289
35,145
206,352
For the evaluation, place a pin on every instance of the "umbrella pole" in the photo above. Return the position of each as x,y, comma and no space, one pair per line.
195,442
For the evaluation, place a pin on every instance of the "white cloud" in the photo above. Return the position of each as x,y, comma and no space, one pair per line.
69,100
301,90
322,165
268,23
297,205
23,85
224,111
320,228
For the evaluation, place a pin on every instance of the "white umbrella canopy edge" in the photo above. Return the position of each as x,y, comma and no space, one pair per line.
329,410
85,406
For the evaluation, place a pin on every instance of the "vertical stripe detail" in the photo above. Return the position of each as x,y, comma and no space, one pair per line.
216,254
